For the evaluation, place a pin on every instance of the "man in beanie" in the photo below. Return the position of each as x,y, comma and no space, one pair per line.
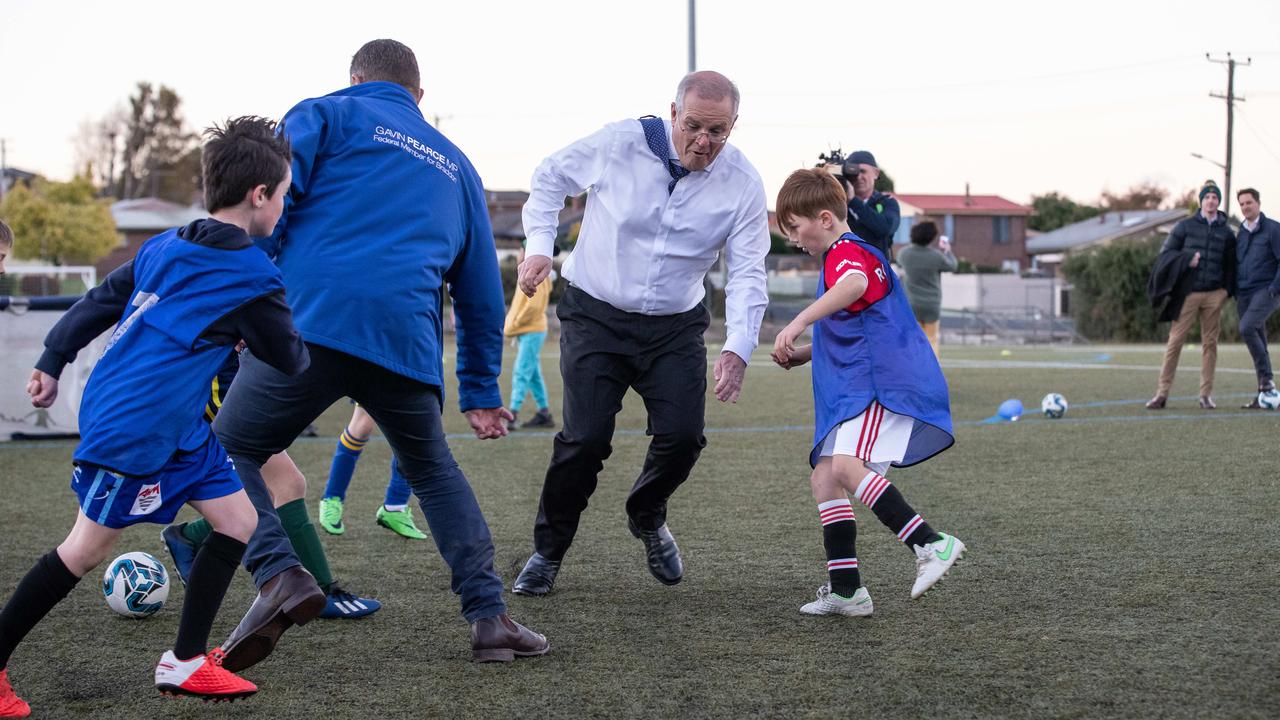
1211,244
873,216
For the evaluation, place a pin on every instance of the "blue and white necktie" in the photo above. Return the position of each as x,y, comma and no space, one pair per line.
655,134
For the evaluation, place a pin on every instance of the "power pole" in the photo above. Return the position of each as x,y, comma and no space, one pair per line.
693,36
437,118
1231,99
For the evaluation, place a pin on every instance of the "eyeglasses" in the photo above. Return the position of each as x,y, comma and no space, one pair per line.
716,137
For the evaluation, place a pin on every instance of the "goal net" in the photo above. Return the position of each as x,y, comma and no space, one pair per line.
32,300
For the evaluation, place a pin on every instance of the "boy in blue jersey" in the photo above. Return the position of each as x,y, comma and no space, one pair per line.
879,395
194,293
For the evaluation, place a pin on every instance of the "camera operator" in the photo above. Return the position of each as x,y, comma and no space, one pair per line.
873,215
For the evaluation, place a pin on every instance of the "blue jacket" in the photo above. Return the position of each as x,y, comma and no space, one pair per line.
145,397
382,213
876,220
1258,257
879,353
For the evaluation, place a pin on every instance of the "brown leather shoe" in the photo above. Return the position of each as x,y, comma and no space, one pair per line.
288,599
1156,403
501,639
1206,403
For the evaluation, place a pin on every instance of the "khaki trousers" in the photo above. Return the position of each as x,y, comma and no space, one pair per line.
1208,307
931,332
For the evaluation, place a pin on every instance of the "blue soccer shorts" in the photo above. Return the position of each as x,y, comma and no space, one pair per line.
116,501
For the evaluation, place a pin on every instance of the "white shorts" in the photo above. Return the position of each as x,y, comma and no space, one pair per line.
876,436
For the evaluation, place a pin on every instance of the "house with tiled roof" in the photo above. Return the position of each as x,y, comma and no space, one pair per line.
986,230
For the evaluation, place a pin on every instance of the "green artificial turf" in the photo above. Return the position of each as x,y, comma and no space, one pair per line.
1122,563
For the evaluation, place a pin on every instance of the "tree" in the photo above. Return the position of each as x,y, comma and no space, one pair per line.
1054,210
63,223
1144,196
144,149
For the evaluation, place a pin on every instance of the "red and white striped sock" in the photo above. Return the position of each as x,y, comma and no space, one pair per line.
839,536
883,498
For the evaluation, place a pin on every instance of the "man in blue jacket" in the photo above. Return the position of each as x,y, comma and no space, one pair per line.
1257,282
381,202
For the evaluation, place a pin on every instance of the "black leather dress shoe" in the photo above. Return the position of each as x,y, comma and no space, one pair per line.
288,599
663,555
501,639
537,577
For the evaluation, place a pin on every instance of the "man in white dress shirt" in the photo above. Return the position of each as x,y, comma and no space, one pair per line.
664,199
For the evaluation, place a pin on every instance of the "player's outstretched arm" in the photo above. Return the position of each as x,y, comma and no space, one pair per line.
843,294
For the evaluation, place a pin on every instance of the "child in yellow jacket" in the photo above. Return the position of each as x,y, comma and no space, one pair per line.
527,324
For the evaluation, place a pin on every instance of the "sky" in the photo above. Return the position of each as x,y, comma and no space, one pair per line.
1014,98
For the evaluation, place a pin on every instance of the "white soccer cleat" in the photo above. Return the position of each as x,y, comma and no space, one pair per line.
829,603
933,561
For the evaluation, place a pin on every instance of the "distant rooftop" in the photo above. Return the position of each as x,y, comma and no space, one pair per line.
153,214
964,204
1103,228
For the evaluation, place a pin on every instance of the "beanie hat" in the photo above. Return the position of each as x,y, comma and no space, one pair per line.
1210,187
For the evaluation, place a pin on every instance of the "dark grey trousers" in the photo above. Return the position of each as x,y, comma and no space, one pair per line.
1254,308
266,409
603,352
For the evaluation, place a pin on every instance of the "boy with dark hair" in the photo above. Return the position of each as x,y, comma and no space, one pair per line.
192,294
879,395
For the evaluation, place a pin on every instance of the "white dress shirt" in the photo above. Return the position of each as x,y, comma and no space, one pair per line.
644,251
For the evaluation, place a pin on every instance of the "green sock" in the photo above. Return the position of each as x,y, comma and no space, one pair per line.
306,543
197,531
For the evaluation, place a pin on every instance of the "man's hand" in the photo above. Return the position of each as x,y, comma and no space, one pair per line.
43,389
729,372
532,272
489,423
1195,259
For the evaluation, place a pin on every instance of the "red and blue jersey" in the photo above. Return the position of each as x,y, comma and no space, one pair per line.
846,257
874,350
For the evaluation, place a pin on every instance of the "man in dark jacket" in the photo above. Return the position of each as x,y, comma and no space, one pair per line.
1213,268
1257,282
873,216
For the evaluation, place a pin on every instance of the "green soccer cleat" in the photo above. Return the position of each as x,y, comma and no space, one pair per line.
400,522
331,515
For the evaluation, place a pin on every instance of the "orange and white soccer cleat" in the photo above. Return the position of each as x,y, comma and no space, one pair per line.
11,706
202,676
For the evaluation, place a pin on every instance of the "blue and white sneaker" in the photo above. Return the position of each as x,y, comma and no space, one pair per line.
342,605
182,550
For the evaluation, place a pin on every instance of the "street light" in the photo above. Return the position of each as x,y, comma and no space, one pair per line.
1214,162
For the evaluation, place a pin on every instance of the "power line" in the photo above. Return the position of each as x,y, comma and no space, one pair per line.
1258,134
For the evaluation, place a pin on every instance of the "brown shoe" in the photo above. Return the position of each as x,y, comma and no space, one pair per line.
288,599
1156,403
1206,403
1252,405
501,639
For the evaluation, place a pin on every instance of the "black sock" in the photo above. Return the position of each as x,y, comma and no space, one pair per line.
876,492
839,535
211,573
43,587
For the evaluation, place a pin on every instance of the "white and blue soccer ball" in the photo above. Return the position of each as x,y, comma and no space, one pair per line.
135,585
1053,406
1269,399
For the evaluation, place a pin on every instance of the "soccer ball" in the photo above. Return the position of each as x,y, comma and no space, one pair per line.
1269,399
135,585
1053,406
